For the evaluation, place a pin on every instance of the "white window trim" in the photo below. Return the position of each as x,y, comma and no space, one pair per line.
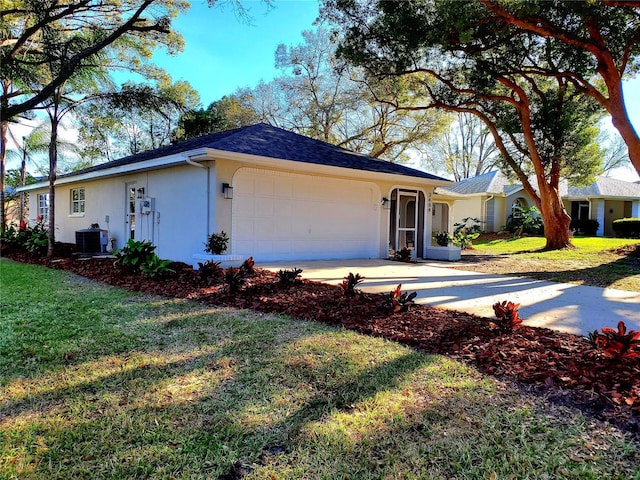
80,202
45,216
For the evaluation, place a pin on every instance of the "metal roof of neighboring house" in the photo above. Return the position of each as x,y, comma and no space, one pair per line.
273,142
607,187
492,183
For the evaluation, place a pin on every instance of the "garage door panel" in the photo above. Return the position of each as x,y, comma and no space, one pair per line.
279,216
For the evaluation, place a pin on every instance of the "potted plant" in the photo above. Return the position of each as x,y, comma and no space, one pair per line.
216,246
442,238
217,243
443,250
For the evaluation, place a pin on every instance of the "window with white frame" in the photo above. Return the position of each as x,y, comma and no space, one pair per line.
43,207
77,201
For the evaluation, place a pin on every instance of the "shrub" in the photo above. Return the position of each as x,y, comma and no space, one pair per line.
616,344
210,271
465,232
36,238
289,276
470,225
135,254
403,255
397,301
587,227
627,227
442,238
507,316
155,267
527,218
9,238
247,266
350,282
464,240
234,279
217,243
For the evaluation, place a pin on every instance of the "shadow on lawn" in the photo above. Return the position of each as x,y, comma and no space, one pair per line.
603,275
100,424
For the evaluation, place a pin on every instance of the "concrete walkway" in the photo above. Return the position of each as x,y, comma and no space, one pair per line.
560,306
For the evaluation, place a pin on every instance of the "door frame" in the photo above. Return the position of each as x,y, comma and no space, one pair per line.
402,213
130,200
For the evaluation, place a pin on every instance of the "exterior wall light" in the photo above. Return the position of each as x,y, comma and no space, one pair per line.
227,191
140,193
386,203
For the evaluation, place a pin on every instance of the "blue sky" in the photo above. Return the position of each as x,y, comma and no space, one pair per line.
223,53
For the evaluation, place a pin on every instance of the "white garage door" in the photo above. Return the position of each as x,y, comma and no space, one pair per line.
282,216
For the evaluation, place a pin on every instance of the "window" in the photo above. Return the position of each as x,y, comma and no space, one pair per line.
77,201
517,207
43,207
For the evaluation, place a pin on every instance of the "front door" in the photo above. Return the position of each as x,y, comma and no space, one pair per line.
406,219
130,211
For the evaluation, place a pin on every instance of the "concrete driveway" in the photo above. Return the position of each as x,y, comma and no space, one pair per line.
560,306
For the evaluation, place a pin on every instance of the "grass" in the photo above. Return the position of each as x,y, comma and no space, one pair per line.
96,382
590,263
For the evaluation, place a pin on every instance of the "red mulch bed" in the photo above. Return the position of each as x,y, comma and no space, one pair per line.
562,366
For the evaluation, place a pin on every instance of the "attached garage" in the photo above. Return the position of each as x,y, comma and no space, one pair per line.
289,216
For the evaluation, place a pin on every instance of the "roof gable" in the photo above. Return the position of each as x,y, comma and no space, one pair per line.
268,141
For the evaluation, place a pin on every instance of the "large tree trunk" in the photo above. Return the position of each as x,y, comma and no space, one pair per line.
555,219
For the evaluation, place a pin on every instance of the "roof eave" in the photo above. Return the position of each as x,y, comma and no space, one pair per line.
208,154
195,155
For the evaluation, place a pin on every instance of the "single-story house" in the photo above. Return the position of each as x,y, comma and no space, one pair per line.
605,200
278,196
491,197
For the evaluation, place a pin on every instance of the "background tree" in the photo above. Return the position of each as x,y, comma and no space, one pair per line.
322,97
541,125
135,118
225,114
465,150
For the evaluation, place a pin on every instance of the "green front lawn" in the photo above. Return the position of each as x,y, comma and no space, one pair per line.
592,262
97,382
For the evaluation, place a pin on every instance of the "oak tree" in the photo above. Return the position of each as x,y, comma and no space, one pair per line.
541,125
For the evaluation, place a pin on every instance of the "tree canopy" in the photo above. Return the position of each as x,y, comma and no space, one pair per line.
67,36
542,125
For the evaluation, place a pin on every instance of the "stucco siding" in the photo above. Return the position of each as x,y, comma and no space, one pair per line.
613,210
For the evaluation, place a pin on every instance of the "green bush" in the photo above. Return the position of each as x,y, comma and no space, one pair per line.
587,227
627,227
35,239
527,218
465,232
135,254
217,243
155,267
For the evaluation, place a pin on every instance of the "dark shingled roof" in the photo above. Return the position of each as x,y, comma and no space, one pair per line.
273,142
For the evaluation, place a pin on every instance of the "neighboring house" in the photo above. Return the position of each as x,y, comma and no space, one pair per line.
11,206
492,198
606,200
278,195
489,197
